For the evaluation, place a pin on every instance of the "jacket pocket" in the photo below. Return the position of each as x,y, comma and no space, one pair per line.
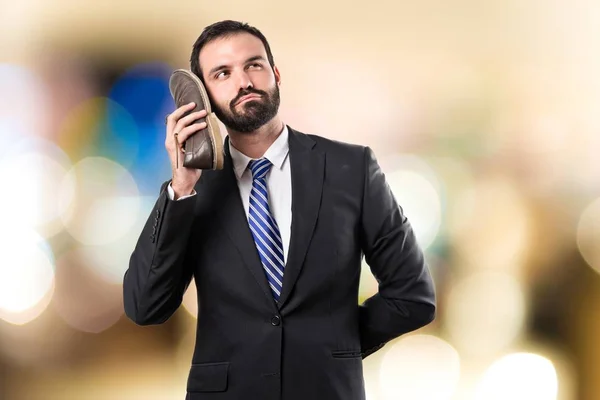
346,354
210,377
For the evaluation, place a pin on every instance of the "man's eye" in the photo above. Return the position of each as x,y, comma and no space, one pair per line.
221,75
255,65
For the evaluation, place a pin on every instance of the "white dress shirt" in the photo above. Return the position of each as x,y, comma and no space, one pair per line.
279,184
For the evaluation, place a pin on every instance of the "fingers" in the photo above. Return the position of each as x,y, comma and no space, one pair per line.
176,115
189,131
188,119
175,122
179,129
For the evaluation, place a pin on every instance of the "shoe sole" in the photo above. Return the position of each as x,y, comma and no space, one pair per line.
212,123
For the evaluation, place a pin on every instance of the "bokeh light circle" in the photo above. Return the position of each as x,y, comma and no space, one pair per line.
110,261
143,91
485,312
83,300
33,198
419,367
519,376
588,235
100,199
491,225
23,104
100,127
415,185
26,275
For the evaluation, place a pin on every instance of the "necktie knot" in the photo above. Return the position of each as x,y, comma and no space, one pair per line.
260,168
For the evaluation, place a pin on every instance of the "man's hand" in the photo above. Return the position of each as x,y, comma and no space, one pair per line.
178,131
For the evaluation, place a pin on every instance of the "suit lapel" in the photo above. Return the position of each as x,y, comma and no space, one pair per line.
307,170
233,220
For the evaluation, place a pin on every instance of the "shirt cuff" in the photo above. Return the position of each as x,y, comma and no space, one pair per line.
172,193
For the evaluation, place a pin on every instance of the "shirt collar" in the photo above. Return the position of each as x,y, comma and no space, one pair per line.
276,153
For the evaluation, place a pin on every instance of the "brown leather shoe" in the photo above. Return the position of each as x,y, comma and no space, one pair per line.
204,149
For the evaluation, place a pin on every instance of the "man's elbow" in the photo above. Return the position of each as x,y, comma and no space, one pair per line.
133,315
427,314
421,314
137,318
140,316
144,319
424,306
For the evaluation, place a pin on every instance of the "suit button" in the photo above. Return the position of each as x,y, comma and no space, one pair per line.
275,321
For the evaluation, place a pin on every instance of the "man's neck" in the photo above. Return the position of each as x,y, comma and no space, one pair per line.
254,144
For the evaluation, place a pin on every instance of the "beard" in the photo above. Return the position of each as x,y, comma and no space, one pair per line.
253,113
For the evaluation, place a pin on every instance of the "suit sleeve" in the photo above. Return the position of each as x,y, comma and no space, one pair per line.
159,268
406,297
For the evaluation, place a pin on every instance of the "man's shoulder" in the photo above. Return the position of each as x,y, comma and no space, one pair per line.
334,146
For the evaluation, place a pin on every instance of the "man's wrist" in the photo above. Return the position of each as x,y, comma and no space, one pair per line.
180,191
182,188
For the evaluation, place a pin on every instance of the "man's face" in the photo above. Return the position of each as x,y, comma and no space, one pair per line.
242,86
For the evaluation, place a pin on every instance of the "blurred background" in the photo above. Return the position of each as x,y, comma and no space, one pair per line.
484,116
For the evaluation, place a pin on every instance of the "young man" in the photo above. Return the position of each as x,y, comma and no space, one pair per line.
274,241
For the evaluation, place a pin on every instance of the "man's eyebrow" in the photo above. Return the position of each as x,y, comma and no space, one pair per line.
255,58
224,66
217,68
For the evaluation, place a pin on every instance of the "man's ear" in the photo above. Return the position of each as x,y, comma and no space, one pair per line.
277,75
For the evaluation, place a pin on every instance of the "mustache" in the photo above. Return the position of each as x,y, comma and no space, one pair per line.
246,92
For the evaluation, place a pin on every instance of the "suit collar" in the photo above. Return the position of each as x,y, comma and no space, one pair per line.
307,166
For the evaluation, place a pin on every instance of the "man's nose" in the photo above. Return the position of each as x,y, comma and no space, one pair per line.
244,80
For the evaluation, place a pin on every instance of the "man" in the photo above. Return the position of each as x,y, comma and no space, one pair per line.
274,241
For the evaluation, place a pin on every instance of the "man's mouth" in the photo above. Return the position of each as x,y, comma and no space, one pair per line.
247,97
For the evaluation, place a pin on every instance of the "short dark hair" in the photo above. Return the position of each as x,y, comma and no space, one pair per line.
224,29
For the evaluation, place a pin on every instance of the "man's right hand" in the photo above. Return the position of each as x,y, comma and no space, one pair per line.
184,179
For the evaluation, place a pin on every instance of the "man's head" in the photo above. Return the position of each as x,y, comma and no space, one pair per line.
235,63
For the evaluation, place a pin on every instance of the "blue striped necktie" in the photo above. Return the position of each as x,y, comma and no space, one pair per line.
264,227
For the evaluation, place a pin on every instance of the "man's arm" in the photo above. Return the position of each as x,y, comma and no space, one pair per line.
159,268
406,297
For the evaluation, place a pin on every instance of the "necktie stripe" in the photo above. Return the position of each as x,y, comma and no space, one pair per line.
268,231
261,197
279,273
260,241
264,229
269,265
259,231
263,193
272,275
262,188
262,245
266,223
254,200
275,289
263,211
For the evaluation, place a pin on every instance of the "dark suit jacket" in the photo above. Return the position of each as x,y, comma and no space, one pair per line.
311,344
